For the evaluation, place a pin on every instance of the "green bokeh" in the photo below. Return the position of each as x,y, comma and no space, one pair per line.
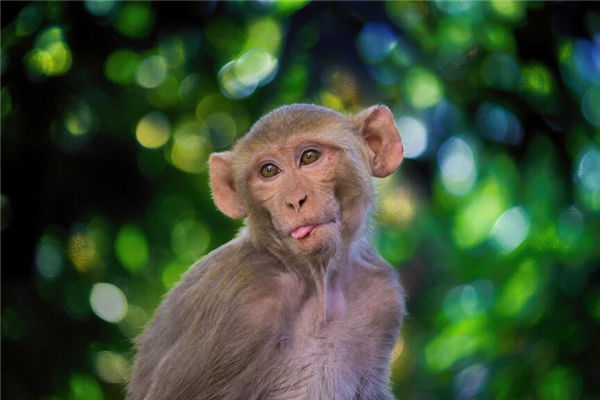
84,387
134,19
131,248
120,66
422,88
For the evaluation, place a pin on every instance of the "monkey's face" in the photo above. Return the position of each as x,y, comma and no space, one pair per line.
294,184
302,175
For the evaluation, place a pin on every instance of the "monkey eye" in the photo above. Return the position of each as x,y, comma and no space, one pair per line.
269,170
309,157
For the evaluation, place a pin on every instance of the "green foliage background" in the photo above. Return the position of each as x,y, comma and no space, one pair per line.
110,110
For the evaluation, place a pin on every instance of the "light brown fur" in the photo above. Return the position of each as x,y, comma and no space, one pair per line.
267,316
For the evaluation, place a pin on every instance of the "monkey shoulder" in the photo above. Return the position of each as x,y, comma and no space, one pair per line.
376,288
213,290
220,303
236,274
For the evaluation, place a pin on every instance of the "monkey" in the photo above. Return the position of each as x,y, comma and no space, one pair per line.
298,305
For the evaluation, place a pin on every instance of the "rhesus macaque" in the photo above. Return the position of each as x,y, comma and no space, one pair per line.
298,305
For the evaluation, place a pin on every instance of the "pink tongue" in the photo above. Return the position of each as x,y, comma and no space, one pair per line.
301,232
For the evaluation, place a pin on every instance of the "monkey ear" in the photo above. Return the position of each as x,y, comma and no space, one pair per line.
221,183
378,129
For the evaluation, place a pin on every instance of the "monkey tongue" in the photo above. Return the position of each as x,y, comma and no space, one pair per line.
302,232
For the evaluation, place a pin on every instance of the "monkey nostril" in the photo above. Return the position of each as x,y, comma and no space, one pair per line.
296,205
302,200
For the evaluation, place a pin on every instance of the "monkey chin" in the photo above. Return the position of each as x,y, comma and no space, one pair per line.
323,239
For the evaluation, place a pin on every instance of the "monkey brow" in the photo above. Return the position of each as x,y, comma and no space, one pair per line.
278,148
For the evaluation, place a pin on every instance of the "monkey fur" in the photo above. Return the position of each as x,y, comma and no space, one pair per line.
298,305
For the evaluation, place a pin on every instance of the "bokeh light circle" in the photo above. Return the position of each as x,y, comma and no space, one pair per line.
190,151
151,72
570,225
499,124
510,229
240,78
422,87
108,302
121,66
456,162
131,248
48,259
112,367
153,130
414,136
100,8
588,170
590,105
189,240
376,40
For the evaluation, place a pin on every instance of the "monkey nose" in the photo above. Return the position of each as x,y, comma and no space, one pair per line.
296,204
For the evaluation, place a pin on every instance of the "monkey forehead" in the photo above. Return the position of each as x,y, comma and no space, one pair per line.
286,121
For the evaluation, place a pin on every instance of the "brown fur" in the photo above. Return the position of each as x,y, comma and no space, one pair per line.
267,316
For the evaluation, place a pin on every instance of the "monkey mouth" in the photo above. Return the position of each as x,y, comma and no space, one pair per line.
303,231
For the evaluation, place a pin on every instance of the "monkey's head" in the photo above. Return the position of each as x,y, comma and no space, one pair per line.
302,175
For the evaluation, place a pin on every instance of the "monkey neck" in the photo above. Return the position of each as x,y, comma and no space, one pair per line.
324,275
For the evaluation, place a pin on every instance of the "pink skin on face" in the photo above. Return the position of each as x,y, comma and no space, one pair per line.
305,230
302,232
